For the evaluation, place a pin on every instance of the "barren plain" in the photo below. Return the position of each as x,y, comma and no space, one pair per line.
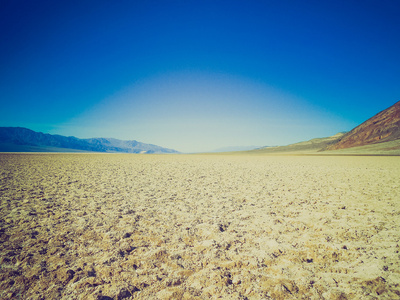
112,226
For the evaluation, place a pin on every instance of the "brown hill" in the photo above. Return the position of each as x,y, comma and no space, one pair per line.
383,127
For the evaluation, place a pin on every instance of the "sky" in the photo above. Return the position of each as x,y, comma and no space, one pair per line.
198,75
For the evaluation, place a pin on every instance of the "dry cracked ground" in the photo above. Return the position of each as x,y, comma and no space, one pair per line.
107,226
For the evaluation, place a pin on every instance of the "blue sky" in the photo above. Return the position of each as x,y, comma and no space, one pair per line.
198,75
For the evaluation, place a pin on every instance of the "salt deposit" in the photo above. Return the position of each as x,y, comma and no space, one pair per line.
92,226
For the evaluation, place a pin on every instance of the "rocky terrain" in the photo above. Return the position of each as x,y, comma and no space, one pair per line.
383,127
113,226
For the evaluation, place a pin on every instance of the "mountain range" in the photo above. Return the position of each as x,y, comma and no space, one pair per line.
377,135
235,148
19,139
313,145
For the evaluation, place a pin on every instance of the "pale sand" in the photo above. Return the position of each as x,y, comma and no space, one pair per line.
86,226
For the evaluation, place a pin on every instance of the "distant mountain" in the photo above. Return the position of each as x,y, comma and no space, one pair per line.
235,148
18,139
383,127
311,146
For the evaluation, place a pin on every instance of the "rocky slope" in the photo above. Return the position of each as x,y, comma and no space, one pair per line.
18,139
383,127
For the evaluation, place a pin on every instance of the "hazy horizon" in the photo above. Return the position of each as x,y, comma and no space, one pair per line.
198,76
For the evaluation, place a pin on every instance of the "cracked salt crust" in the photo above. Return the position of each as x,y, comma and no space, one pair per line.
92,226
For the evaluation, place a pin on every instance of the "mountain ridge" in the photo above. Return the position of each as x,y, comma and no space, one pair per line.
20,139
382,127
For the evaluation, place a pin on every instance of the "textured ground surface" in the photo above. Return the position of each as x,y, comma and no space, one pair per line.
88,226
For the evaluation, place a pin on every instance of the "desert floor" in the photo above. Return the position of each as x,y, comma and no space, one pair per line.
108,226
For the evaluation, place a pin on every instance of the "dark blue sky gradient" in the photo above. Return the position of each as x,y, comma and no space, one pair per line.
60,59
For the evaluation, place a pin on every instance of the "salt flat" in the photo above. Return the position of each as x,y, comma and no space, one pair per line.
92,226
